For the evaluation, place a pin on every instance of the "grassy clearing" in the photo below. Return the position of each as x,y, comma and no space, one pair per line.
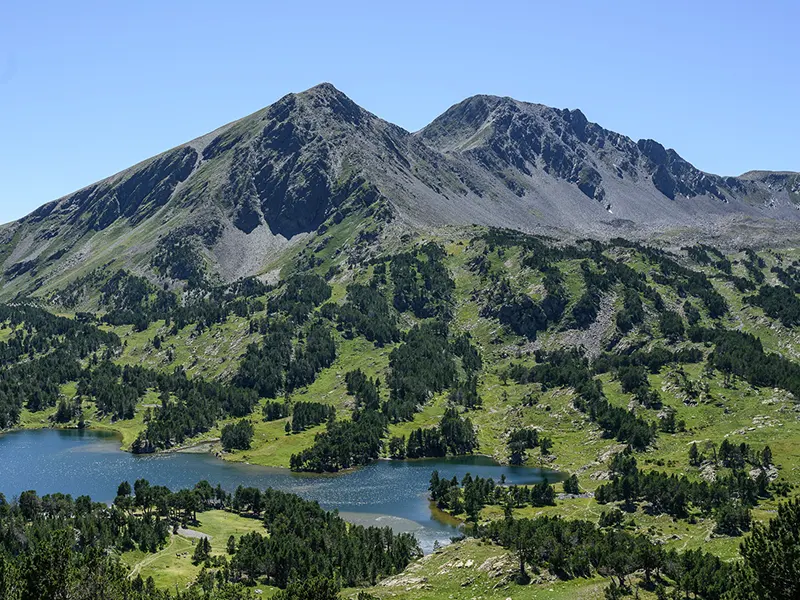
214,353
735,411
35,420
128,429
172,567
473,569
428,417
672,533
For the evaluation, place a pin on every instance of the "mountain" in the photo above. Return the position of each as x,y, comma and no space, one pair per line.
616,331
228,204
556,159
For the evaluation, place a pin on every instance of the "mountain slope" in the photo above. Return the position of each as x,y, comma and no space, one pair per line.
533,150
228,204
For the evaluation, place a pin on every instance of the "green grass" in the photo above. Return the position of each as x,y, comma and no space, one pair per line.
128,429
215,353
672,533
474,569
738,412
271,446
172,566
35,420
428,417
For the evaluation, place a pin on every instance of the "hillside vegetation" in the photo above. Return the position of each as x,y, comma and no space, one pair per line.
665,381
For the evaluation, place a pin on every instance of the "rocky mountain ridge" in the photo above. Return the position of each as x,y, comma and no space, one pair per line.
233,200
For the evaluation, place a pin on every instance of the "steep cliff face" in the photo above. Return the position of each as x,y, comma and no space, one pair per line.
231,201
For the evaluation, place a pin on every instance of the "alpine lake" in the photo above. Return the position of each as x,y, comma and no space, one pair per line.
384,493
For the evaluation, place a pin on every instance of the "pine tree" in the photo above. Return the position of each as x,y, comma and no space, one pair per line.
771,562
201,551
766,457
694,455
571,485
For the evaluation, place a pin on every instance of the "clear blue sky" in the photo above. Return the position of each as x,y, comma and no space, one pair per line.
89,88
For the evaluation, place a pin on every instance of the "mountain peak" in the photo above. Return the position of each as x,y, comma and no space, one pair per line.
326,98
324,90
240,193
324,87
473,120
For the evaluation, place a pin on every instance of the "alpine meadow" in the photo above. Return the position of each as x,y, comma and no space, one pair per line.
312,292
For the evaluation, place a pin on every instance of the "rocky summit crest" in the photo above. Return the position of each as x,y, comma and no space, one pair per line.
236,198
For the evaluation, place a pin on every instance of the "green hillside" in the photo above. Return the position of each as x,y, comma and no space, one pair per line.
568,355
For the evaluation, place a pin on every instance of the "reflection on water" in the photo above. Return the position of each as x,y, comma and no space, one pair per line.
442,517
383,493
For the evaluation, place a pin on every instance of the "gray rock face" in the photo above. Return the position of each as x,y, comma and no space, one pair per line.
282,171
135,196
502,133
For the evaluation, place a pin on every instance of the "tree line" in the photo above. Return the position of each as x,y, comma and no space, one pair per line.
133,300
570,369
778,302
278,365
420,367
472,494
43,353
742,354
365,312
572,549
455,435
302,540
575,548
728,498
421,282
58,547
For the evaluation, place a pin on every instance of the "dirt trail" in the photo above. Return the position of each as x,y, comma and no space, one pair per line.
151,558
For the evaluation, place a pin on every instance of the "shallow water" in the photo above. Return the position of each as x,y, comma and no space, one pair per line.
383,493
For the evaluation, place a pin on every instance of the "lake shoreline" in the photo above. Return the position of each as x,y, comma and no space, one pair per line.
385,492
206,446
